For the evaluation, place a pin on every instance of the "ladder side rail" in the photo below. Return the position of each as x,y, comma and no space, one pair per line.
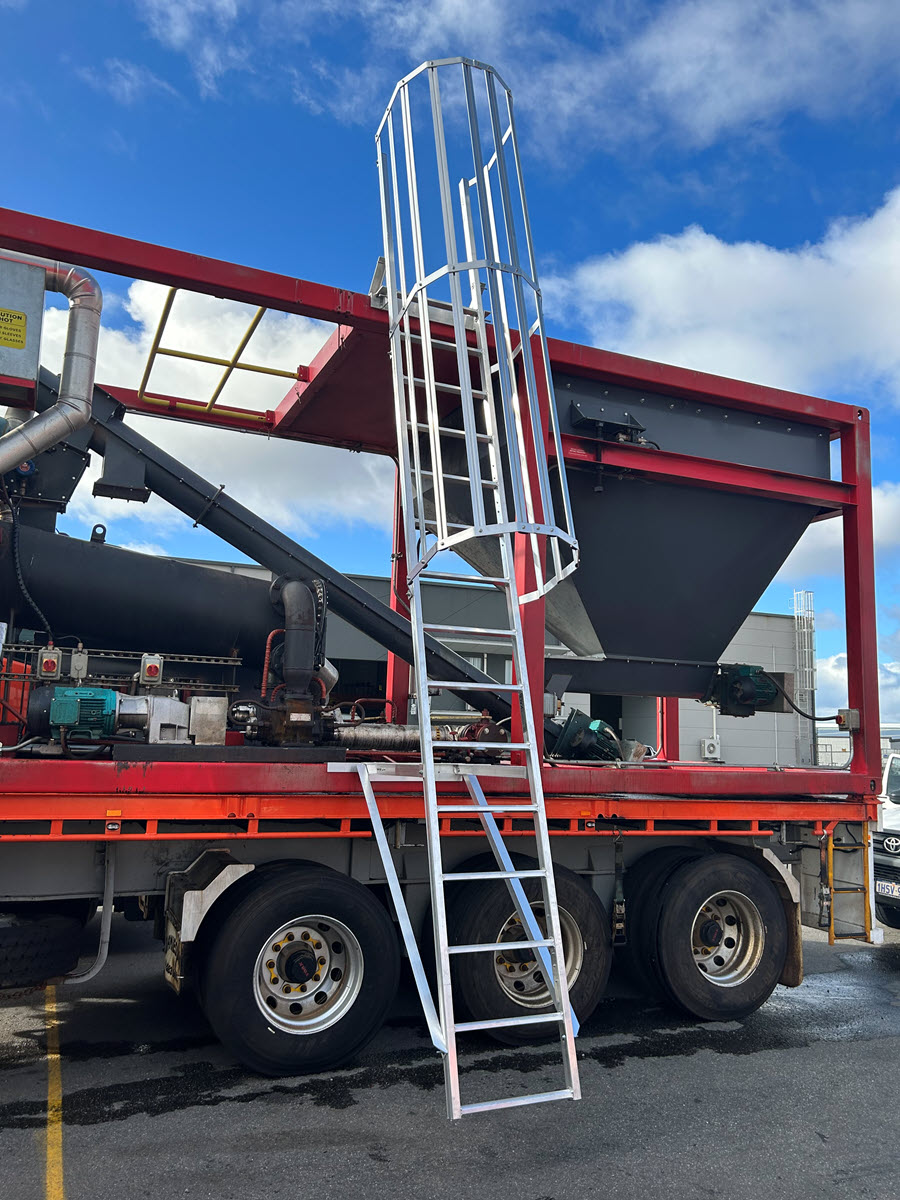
522,322
435,858
497,300
514,886
396,338
402,347
467,402
484,361
540,332
428,372
542,835
409,938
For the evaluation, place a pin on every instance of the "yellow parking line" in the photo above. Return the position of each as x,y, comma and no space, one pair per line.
54,1164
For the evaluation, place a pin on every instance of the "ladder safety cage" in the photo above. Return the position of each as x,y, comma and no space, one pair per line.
472,408
473,397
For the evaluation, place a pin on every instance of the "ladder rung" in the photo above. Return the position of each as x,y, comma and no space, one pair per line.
487,483
444,387
477,947
854,891
516,1101
474,687
494,875
442,344
469,629
509,1022
482,746
450,432
449,577
475,809
449,524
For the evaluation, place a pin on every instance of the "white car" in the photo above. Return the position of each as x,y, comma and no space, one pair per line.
886,846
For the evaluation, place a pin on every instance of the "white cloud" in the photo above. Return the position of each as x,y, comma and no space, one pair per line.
819,551
831,692
126,82
290,484
604,73
815,316
144,547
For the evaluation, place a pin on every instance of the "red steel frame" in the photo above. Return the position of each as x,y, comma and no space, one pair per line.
52,800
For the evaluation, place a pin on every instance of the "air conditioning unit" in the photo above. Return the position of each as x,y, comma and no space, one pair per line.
710,748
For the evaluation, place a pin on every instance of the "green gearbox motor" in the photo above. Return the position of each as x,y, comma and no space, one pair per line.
83,711
740,689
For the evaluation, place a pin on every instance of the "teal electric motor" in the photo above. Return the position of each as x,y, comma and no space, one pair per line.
83,712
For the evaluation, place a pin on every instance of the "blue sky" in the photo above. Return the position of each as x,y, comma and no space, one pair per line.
711,182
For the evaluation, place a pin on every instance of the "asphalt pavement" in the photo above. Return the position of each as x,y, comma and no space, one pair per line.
795,1101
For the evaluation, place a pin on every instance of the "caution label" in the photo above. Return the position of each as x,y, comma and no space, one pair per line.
12,328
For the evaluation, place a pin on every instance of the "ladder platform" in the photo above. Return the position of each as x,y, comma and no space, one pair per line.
517,1101
494,875
478,947
550,1018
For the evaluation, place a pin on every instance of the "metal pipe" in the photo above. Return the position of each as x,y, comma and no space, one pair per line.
72,409
109,892
377,737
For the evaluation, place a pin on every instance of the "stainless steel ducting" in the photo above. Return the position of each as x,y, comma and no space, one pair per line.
72,410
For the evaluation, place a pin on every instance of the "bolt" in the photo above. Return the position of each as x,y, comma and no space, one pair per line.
305,935
317,945
271,964
321,962
289,938
500,960
317,977
302,987
277,947
286,989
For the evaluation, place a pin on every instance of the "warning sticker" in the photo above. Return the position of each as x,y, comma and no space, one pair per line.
12,329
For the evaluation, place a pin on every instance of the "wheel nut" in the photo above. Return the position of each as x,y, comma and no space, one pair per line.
317,945
500,960
321,962
316,977
302,987
305,935
286,988
277,947
271,964
289,938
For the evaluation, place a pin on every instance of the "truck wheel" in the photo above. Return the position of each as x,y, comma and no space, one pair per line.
512,984
643,886
301,972
722,937
36,949
888,916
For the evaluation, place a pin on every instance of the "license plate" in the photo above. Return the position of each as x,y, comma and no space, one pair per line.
883,888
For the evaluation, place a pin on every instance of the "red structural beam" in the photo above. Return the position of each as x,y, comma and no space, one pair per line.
178,268
627,371
709,473
199,788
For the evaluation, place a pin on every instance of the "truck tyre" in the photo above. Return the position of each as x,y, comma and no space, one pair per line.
722,937
888,916
36,949
301,973
643,886
488,986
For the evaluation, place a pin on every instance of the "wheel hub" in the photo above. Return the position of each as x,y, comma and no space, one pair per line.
308,974
519,971
727,938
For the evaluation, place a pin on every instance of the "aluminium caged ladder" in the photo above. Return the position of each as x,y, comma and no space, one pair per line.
472,390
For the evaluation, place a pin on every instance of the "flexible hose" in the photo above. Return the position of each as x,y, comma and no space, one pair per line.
799,711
